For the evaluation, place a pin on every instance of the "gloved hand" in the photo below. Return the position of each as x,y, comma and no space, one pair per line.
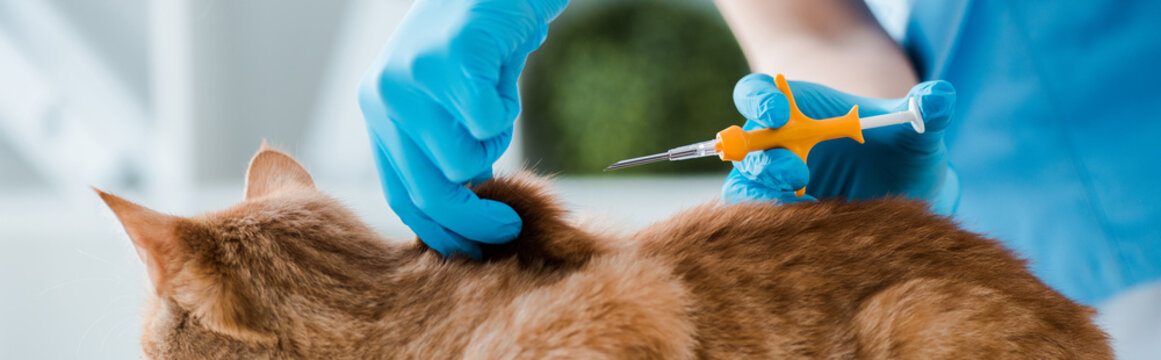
440,102
895,160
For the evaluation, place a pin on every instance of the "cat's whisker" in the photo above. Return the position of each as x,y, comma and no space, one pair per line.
45,291
85,335
94,257
118,324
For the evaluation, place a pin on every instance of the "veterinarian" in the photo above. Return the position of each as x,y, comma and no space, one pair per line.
1047,140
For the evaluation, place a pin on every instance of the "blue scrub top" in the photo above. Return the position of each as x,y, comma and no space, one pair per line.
1057,132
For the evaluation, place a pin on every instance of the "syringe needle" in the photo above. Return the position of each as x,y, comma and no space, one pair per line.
639,161
691,151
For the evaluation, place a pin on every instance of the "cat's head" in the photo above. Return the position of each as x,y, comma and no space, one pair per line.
286,267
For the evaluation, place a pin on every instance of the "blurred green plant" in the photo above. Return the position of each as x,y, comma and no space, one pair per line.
623,79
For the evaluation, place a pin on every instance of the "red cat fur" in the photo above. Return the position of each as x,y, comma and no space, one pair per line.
290,273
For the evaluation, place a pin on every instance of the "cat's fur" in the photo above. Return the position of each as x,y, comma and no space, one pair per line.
290,273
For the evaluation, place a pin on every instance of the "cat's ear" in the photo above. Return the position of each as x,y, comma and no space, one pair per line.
154,235
271,170
215,300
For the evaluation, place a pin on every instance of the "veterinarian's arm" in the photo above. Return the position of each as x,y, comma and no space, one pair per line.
837,43
439,103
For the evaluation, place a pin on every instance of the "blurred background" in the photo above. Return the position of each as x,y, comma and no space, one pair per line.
165,101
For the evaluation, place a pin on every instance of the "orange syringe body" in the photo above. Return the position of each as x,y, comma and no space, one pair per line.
799,135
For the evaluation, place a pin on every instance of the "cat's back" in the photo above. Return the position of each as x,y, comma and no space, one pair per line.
830,242
876,279
864,279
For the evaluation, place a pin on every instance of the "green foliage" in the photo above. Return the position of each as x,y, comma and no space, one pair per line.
629,78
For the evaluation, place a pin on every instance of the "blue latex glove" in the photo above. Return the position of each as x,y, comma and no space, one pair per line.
895,160
440,102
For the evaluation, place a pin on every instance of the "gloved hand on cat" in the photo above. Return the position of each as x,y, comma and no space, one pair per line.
440,102
895,160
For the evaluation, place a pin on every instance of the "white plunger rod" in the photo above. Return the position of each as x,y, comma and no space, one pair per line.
911,116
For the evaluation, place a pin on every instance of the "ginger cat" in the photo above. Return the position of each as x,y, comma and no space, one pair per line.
290,273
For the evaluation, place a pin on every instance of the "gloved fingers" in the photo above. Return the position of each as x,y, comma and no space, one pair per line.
486,98
738,189
477,104
469,86
548,10
820,101
509,82
775,169
459,155
499,142
936,101
431,233
463,79
481,178
758,99
449,204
